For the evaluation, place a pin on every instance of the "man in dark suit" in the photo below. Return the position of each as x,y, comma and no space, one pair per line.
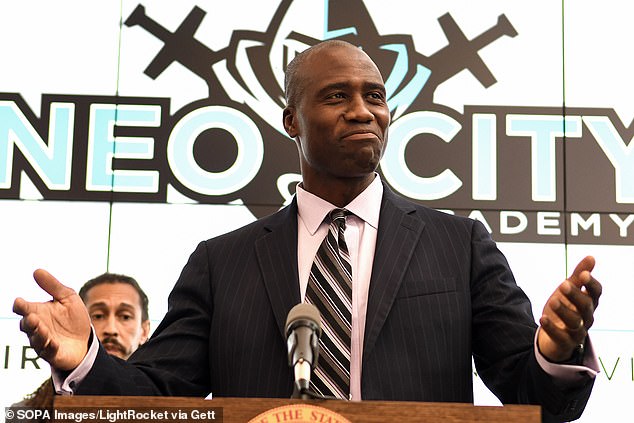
430,290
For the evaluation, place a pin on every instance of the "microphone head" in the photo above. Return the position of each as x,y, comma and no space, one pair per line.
303,330
303,314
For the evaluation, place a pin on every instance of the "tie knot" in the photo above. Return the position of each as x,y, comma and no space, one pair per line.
338,217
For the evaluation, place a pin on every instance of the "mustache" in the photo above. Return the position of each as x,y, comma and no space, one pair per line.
112,341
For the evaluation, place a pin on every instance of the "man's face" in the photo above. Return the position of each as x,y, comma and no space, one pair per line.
115,312
341,118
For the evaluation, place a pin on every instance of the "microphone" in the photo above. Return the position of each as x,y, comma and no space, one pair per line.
303,330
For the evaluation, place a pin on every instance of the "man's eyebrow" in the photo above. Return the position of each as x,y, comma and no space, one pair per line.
334,86
126,306
367,86
99,304
374,86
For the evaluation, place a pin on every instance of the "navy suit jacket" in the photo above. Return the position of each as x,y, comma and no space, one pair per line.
440,293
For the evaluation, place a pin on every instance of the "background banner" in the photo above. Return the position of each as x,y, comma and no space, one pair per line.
130,131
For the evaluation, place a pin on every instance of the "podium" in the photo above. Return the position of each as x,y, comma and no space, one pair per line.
242,410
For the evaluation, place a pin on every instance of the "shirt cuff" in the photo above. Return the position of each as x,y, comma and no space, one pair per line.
568,374
65,383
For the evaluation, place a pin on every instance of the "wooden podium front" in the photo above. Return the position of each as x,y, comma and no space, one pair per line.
243,410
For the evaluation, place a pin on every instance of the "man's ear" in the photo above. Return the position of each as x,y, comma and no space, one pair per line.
145,329
288,119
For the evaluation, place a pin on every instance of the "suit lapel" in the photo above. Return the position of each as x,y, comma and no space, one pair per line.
276,251
398,234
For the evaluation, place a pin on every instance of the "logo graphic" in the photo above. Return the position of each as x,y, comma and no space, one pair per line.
247,76
520,170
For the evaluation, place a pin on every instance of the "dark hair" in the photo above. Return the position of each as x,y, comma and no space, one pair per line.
293,82
116,278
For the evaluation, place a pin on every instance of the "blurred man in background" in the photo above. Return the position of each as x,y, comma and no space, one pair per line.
118,310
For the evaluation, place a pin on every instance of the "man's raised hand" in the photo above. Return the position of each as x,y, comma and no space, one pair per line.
569,313
58,330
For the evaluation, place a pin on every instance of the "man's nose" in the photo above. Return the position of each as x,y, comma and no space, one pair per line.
358,110
110,327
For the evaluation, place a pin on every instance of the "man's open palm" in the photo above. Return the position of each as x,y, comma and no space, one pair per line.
58,330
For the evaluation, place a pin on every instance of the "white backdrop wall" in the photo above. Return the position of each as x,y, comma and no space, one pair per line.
568,59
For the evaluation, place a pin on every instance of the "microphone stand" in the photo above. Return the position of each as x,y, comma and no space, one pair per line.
302,380
301,387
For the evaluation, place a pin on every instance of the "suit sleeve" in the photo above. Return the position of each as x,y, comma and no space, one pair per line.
175,361
503,338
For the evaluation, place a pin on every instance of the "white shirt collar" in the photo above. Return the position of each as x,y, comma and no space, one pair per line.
367,206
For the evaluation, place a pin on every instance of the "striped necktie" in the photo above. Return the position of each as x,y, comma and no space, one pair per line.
330,290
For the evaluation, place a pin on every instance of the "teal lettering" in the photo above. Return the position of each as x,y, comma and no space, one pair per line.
484,157
52,160
180,150
543,131
620,155
395,168
103,147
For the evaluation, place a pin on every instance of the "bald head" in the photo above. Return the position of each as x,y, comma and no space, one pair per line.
295,78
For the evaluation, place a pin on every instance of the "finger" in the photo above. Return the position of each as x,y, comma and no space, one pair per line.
21,306
51,285
43,344
561,337
562,295
30,325
572,321
577,298
581,275
565,325
566,339
39,339
594,290
581,303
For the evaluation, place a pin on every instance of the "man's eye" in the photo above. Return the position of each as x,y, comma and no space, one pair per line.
337,95
97,316
126,317
376,95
